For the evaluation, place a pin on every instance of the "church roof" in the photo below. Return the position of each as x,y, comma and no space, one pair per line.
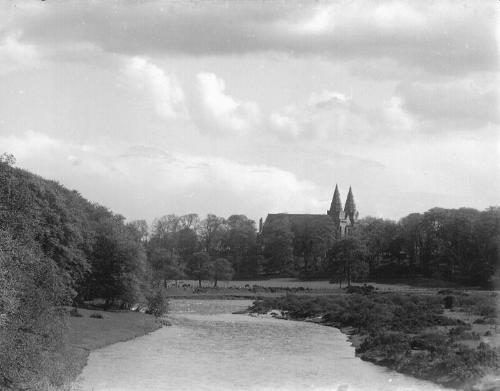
300,219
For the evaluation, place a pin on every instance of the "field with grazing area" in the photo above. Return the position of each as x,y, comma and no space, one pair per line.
275,287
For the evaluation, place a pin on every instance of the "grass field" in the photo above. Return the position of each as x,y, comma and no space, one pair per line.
255,289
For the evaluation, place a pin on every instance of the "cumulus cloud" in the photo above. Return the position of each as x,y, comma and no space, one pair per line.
327,115
16,55
152,181
164,90
48,155
222,111
209,183
443,38
29,144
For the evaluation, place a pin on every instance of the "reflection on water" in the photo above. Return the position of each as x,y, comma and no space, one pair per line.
208,348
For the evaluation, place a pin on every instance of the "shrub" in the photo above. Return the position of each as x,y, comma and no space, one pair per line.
389,343
32,296
459,329
74,312
96,315
448,302
157,302
365,289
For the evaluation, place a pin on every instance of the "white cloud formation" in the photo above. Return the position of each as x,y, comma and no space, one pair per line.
222,111
395,117
327,115
16,55
166,92
151,181
30,144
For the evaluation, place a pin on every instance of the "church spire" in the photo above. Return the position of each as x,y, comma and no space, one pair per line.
336,205
350,206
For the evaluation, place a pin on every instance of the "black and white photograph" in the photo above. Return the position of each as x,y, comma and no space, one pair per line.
249,195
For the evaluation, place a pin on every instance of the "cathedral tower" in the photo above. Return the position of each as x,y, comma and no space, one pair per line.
350,207
336,205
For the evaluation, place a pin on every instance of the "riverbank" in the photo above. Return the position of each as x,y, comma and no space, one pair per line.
94,329
411,333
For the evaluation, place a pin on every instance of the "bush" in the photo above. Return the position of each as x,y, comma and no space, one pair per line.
32,296
74,312
96,315
448,302
364,290
157,302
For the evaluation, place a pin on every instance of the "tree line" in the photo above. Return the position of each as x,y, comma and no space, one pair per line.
458,245
213,248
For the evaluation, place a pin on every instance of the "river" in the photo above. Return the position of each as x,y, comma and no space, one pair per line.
209,348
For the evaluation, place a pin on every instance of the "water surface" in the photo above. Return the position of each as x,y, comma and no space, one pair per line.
208,348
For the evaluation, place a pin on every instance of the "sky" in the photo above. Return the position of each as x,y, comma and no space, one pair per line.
255,107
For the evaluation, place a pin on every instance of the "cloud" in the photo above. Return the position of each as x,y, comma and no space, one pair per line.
469,103
327,115
209,183
220,110
441,38
142,181
29,144
16,55
49,156
165,91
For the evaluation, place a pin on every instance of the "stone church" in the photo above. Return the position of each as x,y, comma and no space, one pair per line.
337,220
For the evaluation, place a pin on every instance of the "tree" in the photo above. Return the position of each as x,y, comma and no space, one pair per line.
346,260
164,266
191,221
32,292
198,266
240,245
381,237
187,243
211,233
7,159
142,229
312,242
277,238
221,269
118,264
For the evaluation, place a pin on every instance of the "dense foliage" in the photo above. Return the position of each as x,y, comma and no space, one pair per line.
457,245
31,322
56,248
214,248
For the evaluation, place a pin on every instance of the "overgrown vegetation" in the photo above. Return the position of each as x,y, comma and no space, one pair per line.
397,331
32,289
56,249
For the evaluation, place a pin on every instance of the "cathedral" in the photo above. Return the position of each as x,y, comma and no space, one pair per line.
344,218
338,220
